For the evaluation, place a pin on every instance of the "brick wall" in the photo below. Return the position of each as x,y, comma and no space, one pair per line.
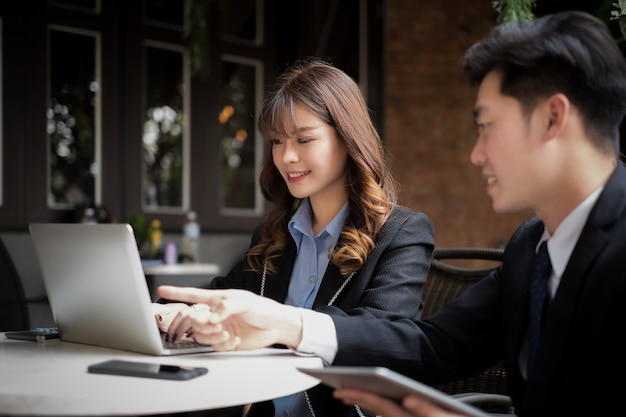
427,118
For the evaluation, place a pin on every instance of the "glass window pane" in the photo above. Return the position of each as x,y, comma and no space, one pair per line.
71,119
241,20
239,185
163,129
165,11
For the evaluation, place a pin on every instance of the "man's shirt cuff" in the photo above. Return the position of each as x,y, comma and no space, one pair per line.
318,335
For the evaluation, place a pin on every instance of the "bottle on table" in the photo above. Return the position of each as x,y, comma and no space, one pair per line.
89,216
191,237
171,253
156,238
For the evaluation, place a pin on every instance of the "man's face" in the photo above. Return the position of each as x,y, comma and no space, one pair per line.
507,148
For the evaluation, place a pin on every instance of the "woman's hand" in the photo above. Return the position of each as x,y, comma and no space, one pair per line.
170,314
164,313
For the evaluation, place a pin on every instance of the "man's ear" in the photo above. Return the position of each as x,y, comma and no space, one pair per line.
558,107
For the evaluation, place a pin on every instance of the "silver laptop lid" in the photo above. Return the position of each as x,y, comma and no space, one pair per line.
96,286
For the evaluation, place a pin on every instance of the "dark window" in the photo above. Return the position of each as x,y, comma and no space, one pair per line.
149,106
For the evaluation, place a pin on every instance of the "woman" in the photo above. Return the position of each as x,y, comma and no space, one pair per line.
335,235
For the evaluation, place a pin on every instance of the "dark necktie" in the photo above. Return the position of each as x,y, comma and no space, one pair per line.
538,292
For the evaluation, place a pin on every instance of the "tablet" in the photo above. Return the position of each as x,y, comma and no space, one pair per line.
388,383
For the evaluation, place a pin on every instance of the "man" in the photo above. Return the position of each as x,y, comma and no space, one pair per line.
551,96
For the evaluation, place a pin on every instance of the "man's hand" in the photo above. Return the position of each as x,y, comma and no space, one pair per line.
412,405
233,319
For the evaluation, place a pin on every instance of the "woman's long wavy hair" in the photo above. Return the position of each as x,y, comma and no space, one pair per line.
335,98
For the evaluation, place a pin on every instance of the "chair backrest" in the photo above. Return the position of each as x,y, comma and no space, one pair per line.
23,298
446,281
452,271
13,310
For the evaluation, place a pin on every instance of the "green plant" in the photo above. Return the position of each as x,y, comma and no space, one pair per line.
616,11
196,32
513,10
520,10
140,228
196,14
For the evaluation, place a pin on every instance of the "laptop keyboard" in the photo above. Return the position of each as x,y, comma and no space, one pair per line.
181,344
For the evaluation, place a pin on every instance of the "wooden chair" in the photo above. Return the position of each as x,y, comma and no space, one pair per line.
452,271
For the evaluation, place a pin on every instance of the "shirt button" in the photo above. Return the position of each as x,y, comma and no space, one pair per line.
285,413
312,279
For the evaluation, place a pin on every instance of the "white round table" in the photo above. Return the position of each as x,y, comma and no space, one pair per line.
51,379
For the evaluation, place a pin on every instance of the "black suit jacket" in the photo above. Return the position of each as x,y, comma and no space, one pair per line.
581,359
389,285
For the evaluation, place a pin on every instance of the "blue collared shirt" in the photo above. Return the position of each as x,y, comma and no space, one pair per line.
306,277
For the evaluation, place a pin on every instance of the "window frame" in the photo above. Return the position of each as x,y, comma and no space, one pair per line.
259,147
97,113
187,144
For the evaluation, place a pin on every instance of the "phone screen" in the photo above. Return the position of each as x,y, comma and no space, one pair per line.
146,370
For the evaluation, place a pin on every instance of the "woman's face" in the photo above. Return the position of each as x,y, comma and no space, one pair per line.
312,159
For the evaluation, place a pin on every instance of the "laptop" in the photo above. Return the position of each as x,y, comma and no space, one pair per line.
97,289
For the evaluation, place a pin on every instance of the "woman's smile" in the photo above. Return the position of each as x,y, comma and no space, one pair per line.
297,176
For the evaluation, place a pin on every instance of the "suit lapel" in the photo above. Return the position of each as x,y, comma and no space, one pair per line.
329,286
559,322
521,268
332,278
277,286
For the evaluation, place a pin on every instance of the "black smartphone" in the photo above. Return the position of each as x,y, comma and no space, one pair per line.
146,370
40,334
